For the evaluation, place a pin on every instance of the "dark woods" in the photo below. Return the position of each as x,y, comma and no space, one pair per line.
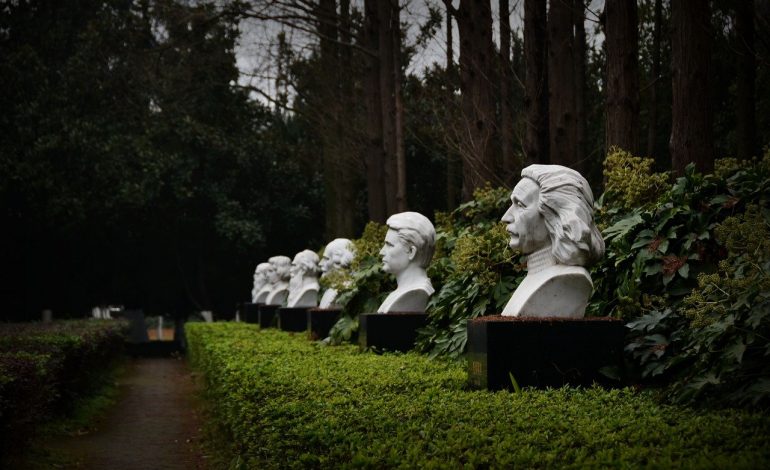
137,169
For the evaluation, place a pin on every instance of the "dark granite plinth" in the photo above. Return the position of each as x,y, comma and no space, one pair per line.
320,321
250,312
542,352
268,315
292,319
389,331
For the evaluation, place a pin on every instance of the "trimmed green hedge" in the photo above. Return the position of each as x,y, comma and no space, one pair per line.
46,368
282,401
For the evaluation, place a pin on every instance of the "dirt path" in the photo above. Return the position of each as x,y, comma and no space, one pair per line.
154,425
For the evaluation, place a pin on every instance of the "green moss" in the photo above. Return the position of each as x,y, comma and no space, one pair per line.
282,401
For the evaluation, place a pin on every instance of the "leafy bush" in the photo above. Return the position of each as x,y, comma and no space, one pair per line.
473,271
688,270
282,402
46,368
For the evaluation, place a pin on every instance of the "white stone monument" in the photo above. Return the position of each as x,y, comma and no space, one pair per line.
303,285
406,254
261,285
551,222
338,254
278,276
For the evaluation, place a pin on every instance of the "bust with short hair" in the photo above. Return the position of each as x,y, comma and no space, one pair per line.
303,285
406,253
278,277
261,286
551,222
338,254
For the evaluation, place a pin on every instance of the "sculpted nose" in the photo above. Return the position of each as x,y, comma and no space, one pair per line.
508,216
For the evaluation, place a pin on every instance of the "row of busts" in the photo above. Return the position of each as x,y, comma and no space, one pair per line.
406,253
282,280
550,220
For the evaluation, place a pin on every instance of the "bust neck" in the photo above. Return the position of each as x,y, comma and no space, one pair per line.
541,259
412,275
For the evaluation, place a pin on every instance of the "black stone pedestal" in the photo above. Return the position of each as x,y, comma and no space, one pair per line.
250,312
389,331
292,319
268,315
542,352
320,321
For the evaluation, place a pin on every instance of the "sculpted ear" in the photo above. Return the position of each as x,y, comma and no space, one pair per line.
412,252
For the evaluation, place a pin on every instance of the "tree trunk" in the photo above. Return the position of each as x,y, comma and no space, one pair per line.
328,106
622,102
652,126
452,162
388,19
691,132
746,131
374,152
509,165
477,84
536,82
578,16
561,85
346,185
398,103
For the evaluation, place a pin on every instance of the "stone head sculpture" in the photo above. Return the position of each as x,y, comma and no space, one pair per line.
551,222
278,276
303,285
261,285
338,254
406,253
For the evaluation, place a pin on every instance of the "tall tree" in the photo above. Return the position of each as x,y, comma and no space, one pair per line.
561,84
477,86
374,149
536,82
652,125
578,15
622,101
691,121
452,162
509,165
746,131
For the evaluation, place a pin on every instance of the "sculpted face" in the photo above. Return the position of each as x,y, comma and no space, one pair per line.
526,224
327,260
396,256
271,274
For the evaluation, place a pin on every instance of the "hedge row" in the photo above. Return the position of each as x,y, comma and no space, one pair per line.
46,368
282,401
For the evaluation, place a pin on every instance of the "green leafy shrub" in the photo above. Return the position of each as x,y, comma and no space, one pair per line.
280,401
630,181
473,271
682,270
365,285
46,368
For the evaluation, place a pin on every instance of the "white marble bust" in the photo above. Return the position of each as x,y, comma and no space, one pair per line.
551,222
261,286
338,254
278,277
303,286
406,254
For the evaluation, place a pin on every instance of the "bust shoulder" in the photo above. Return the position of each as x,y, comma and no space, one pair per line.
413,298
307,297
557,291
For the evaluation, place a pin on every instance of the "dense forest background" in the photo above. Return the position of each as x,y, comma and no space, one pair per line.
139,167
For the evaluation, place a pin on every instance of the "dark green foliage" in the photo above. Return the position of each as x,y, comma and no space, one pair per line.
688,270
45,369
283,402
472,271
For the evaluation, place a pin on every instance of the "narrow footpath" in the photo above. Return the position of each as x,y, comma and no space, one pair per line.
154,424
